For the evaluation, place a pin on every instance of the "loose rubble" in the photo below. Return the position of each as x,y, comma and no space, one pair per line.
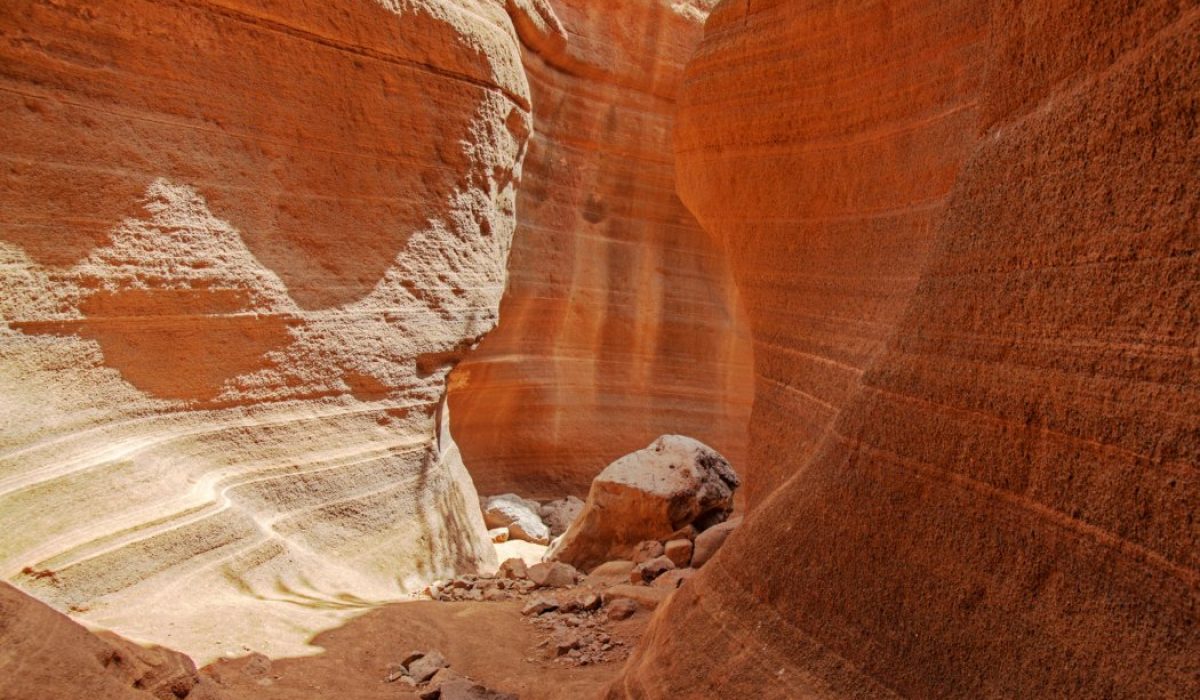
573,613
519,515
430,673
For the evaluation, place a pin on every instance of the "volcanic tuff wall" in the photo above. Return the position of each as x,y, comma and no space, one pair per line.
621,321
1003,504
241,242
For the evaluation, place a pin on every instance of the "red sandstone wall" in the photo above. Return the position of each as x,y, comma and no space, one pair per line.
620,321
1006,507
819,141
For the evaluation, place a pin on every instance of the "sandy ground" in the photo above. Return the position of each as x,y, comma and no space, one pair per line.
491,642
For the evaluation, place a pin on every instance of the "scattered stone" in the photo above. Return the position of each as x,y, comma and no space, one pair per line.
709,541
539,606
397,672
679,551
567,642
517,514
578,638
645,551
560,513
645,596
687,532
498,535
621,609
650,570
513,569
673,579
465,689
553,575
422,669
449,685
611,572
648,495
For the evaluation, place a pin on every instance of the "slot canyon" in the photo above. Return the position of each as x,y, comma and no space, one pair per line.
627,349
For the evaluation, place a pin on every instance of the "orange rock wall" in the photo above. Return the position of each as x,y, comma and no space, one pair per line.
1003,503
620,322
823,163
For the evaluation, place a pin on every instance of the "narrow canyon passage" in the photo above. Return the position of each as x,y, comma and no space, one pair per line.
630,349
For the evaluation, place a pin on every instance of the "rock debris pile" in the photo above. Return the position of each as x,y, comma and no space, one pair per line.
430,673
677,487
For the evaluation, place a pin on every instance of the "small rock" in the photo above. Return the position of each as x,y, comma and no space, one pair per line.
687,532
513,568
589,602
423,668
678,551
439,679
539,606
644,596
560,513
566,643
611,572
553,574
647,550
518,515
709,541
648,571
498,534
465,689
621,609
673,579
394,673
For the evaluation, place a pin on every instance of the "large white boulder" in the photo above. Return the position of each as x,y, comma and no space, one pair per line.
648,495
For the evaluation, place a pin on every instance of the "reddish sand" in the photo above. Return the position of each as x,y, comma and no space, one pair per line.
489,642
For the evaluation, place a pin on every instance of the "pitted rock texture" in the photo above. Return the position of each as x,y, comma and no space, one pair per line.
242,243
45,655
1004,505
620,321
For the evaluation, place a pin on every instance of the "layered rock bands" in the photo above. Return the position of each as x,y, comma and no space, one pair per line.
242,243
620,321
966,238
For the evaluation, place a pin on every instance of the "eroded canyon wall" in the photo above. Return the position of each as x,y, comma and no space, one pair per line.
1004,503
241,243
819,148
620,321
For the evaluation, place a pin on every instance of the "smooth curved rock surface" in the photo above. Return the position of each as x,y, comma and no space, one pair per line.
242,243
1003,505
621,321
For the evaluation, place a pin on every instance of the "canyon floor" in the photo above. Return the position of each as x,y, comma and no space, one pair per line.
489,641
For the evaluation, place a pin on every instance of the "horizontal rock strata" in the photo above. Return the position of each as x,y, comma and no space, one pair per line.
241,245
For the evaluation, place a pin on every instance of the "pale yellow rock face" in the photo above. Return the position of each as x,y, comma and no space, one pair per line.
241,244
